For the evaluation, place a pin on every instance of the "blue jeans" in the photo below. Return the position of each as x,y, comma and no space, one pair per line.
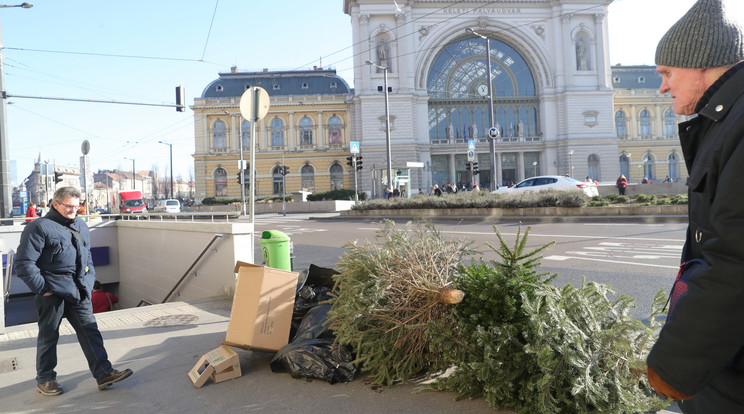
51,309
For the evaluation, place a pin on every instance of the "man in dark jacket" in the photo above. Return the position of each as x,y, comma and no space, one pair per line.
54,260
699,356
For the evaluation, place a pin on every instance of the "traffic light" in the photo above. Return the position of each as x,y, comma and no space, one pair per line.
57,177
180,99
359,162
350,161
475,168
285,170
468,164
240,177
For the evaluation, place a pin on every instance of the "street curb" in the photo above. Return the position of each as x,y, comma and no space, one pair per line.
517,219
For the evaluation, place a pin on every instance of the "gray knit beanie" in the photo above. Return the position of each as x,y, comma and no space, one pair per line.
703,38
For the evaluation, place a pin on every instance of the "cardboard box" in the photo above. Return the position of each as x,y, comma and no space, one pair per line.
217,361
261,314
229,373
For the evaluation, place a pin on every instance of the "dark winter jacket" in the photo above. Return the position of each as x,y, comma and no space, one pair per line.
47,259
700,350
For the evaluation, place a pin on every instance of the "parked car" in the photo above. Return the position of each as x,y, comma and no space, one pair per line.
551,182
168,206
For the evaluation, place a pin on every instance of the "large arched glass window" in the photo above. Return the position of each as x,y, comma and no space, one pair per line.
278,178
337,177
593,167
334,130
306,131
648,166
458,92
220,182
620,125
625,165
673,166
670,123
219,135
246,132
308,177
277,133
645,123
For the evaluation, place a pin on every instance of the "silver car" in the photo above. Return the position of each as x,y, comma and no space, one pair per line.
551,182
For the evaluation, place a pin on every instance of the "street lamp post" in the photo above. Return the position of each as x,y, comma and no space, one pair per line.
570,163
534,166
134,185
6,201
384,70
241,167
171,165
491,141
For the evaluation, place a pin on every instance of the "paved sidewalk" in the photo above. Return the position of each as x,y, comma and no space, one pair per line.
161,343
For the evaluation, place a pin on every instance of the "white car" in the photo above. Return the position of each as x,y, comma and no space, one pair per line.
168,206
551,182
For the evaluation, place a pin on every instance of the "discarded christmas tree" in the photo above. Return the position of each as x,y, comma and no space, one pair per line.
526,345
388,294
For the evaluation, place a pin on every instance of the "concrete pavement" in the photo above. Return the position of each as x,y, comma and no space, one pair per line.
161,343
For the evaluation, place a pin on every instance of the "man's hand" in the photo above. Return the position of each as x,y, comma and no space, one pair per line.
47,294
663,388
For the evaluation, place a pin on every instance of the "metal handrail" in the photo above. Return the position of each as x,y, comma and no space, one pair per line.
8,273
203,252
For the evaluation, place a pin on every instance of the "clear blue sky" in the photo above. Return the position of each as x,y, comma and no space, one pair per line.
68,50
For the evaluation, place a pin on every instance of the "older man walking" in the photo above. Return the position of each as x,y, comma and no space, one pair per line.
699,356
54,260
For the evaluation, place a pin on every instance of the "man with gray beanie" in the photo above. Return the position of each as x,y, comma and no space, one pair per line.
699,356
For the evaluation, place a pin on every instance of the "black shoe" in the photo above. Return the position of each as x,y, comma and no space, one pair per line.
49,388
115,376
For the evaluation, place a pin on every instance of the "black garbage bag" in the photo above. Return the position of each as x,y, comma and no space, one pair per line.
314,286
312,352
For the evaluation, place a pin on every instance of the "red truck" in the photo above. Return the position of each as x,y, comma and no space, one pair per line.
129,202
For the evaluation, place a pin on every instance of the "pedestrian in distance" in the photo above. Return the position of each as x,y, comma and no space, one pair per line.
43,209
31,212
54,260
621,184
101,300
699,355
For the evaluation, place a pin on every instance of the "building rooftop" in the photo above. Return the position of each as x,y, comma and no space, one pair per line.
278,83
635,77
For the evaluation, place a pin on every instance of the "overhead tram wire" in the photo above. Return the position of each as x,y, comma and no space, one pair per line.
209,33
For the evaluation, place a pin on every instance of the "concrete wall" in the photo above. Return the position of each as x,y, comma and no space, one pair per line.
276,207
147,258
154,255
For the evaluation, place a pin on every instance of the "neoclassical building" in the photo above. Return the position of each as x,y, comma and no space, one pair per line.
550,85
646,126
307,125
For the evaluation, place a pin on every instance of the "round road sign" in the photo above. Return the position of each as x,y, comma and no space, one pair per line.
85,147
246,103
493,132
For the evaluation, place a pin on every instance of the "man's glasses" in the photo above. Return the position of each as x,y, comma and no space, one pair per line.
70,206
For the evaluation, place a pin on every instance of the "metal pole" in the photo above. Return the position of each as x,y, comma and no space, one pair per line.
242,167
171,167
356,190
252,165
387,129
6,200
284,187
491,142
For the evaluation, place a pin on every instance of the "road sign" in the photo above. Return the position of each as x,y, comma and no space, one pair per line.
493,132
471,155
85,147
246,103
355,147
471,144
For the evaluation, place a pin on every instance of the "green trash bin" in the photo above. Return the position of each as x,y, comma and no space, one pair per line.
276,250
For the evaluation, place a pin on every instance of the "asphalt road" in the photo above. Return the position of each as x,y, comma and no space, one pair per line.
636,259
